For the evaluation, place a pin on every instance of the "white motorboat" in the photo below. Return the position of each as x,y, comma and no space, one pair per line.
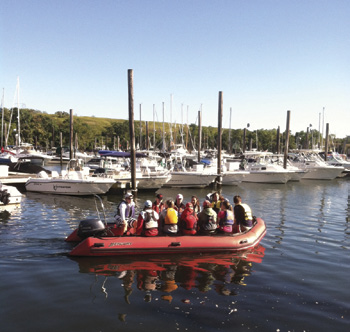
9,197
73,181
296,173
315,167
232,175
262,170
193,178
149,175
335,159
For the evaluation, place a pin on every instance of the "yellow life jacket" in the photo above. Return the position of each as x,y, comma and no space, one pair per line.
248,212
216,205
171,217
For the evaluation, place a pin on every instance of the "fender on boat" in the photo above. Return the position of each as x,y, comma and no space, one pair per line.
138,245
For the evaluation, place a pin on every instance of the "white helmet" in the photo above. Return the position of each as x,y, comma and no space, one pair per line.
148,204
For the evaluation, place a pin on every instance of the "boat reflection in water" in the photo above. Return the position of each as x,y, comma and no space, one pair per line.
161,276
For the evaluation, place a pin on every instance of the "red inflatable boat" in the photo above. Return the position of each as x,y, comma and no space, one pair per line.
111,245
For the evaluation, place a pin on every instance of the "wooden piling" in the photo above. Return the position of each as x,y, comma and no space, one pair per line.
286,148
132,130
61,152
75,145
244,139
278,140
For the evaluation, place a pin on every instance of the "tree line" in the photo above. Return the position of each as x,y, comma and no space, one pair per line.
43,130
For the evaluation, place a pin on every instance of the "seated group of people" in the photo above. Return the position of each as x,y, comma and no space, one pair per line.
177,218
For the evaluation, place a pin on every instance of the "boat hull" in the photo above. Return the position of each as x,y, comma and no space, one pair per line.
267,177
233,178
323,173
69,187
15,195
137,245
190,180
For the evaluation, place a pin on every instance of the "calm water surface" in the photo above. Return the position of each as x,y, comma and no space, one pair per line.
297,280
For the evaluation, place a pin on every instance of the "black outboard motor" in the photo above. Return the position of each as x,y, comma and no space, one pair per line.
4,196
91,227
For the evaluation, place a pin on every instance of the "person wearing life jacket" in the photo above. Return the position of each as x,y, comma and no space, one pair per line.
188,221
125,216
171,219
243,214
215,202
207,220
147,222
158,204
225,218
179,205
147,280
168,280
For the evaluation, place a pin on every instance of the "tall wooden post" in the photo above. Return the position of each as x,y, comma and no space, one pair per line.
218,179
75,145
61,152
132,130
278,140
53,136
244,138
286,148
71,134
199,135
118,143
327,142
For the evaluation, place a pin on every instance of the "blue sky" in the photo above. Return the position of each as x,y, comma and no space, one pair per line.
266,57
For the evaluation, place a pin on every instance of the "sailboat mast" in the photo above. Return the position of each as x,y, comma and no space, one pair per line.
2,118
140,147
19,123
154,128
182,124
229,133
187,129
171,120
163,131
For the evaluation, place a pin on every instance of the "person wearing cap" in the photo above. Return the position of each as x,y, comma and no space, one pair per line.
179,205
188,221
207,220
125,216
158,204
147,222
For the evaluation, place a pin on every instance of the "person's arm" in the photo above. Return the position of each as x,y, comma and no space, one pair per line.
122,209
